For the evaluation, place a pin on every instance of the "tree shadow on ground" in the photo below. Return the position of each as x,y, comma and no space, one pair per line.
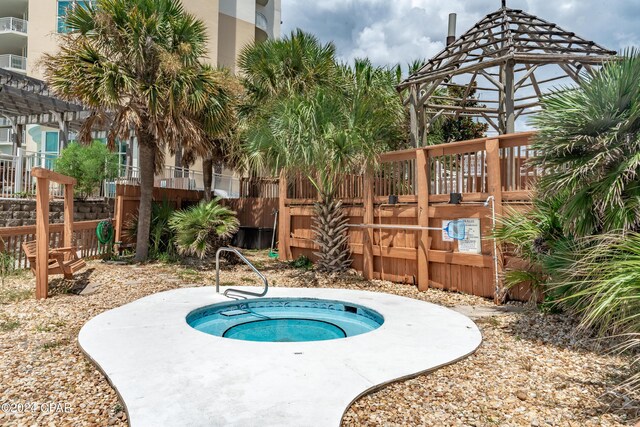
80,281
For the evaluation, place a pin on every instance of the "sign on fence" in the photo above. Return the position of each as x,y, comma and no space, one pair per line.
472,242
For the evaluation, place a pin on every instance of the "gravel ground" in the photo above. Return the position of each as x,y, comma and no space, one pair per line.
531,369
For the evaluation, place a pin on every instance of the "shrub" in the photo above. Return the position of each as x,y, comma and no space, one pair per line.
161,236
90,165
588,146
203,228
301,262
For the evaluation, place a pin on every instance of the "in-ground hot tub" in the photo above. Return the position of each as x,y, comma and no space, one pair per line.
170,373
285,319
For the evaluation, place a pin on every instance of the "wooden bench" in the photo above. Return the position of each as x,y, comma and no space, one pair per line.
61,260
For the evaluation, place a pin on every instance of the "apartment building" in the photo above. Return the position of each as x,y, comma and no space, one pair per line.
30,28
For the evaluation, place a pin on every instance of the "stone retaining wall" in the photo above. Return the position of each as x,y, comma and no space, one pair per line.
16,213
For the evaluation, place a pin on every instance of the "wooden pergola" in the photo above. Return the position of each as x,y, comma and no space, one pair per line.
43,177
510,58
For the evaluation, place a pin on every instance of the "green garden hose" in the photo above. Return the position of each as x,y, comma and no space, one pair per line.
105,232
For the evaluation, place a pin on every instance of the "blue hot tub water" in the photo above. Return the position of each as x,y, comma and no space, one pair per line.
285,319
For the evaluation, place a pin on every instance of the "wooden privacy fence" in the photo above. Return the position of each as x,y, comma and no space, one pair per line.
128,200
251,211
422,179
84,236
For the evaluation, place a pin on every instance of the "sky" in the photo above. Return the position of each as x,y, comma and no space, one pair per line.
398,31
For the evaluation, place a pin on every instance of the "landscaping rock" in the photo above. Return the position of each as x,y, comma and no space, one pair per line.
21,215
531,369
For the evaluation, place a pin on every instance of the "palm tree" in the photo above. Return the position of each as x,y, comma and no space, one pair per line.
201,229
278,68
136,65
325,133
588,145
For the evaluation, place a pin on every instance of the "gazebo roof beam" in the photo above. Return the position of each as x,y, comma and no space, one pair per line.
526,98
570,73
467,90
559,41
459,108
448,73
561,49
534,82
463,114
462,100
462,51
530,70
549,80
525,112
550,58
546,32
477,88
490,78
525,106
547,23
490,121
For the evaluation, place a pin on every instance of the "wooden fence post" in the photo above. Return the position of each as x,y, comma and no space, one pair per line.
422,190
284,220
119,214
494,185
367,241
42,243
67,235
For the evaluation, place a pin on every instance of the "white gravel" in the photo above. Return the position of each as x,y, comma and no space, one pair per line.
531,370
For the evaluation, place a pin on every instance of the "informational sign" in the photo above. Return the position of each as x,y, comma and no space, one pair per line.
472,243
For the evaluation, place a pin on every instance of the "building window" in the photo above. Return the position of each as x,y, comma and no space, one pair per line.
51,149
63,8
120,151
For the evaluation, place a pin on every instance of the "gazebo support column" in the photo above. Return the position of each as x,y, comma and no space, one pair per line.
413,116
509,110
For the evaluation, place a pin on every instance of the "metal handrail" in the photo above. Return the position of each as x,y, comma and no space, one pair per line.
246,261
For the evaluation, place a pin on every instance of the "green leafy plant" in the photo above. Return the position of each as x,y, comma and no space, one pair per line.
161,237
301,262
537,238
90,165
201,229
588,146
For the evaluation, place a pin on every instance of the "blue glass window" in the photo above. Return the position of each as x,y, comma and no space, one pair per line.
64,6
51,148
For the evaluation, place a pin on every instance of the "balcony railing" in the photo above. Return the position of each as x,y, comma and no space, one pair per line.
261,22
11,24
13,62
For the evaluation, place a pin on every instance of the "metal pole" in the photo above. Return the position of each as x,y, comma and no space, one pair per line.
18,170
495,244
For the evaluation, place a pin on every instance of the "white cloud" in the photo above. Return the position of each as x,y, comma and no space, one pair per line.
399,31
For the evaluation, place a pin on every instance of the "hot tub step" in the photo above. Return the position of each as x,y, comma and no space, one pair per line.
231,313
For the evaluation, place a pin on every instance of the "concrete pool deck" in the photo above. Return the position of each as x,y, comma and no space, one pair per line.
169,374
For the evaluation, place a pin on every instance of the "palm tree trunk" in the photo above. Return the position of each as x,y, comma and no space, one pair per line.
147,160
330,226
207,177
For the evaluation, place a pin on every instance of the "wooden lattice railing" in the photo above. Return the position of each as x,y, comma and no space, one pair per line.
423,180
